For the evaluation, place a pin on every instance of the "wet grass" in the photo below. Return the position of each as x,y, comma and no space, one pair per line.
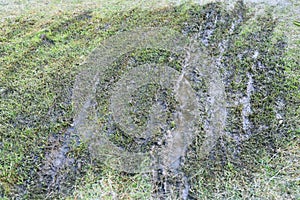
38,67
40,57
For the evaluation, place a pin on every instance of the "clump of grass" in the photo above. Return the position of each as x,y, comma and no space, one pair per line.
297,23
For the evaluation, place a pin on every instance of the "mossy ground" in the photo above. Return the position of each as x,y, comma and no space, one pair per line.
40,57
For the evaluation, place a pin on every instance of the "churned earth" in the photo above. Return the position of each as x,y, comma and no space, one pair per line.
210,107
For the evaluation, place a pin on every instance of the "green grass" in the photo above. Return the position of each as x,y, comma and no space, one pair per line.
110,184
39,59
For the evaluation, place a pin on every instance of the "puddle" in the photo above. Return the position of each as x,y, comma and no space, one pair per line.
246,102
54,169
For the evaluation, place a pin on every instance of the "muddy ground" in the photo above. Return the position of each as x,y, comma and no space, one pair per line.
239,68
